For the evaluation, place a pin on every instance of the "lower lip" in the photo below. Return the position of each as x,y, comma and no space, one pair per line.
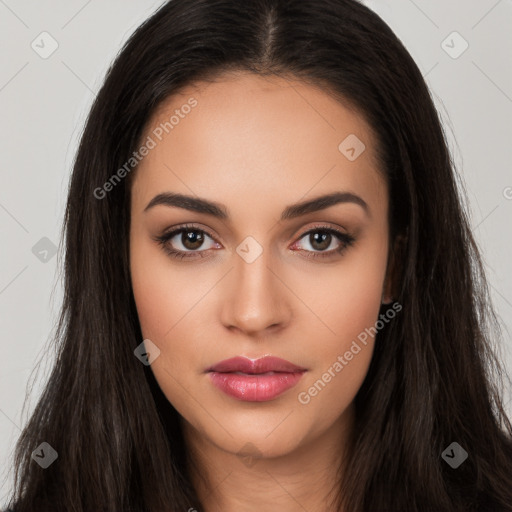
255,388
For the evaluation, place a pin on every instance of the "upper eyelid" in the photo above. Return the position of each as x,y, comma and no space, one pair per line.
180,229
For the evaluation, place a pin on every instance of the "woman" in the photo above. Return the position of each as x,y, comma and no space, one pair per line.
294,146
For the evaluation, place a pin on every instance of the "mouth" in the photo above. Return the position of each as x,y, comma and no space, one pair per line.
257,380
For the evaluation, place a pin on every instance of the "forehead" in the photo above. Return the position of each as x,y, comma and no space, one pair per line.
248,136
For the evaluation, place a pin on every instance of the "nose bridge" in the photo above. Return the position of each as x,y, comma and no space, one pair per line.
256,300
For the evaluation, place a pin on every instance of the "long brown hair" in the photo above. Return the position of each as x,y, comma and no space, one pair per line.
434,378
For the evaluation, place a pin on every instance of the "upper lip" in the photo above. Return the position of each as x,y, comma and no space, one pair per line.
261,365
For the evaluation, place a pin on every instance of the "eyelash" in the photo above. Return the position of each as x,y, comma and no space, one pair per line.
346,239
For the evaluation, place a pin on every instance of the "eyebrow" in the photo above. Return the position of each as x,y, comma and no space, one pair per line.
199,205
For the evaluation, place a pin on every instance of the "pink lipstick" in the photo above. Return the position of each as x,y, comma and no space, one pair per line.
256,380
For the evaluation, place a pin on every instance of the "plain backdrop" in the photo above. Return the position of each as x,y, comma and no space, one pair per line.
464,49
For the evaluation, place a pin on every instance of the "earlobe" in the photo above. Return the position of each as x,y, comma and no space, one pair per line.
387,298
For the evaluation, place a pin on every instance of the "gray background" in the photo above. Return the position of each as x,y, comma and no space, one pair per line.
44,102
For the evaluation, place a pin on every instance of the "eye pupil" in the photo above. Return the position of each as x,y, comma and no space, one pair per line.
320,237
192,239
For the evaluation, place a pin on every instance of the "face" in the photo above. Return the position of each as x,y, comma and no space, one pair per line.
253,274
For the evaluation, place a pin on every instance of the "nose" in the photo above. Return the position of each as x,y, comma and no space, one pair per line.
257,301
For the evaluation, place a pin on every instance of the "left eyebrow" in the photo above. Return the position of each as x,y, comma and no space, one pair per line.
219,211
323,202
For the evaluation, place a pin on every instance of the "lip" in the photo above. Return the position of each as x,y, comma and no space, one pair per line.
261,365
256,380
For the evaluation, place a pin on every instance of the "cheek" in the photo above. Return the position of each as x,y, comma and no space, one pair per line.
348,305
162,295
346,298
339,359
169,306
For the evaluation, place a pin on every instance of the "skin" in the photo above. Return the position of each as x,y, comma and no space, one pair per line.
257,145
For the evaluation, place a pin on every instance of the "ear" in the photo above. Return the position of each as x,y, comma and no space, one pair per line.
393,270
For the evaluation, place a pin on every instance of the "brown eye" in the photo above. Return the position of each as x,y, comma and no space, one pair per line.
192,239
320,240
185,242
